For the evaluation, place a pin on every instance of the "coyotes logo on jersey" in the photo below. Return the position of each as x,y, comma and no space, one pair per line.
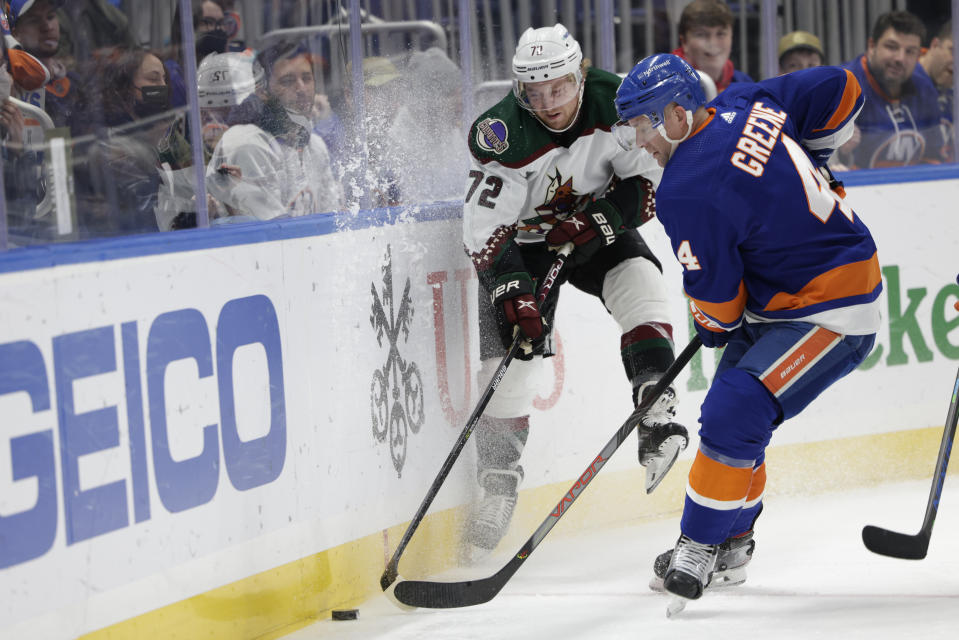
561,202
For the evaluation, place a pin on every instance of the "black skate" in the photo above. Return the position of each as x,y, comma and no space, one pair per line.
690,568
731,560
660,439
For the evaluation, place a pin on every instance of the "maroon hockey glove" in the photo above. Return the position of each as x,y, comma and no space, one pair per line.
591,229
513,294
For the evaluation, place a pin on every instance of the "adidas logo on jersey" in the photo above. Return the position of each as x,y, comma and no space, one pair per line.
728,116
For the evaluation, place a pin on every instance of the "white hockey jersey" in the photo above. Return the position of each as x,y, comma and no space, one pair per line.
256,175
522,174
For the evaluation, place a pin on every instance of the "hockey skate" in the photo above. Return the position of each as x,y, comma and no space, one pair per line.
689,572
660,439
730,570
489,520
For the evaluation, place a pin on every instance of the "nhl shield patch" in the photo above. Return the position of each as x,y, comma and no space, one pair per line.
491,135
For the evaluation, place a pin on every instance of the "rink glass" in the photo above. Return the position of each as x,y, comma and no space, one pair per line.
128,166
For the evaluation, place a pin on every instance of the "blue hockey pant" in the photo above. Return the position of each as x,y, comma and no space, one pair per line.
768,373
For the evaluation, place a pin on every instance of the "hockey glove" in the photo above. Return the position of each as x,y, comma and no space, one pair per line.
513,295
593,228
713,339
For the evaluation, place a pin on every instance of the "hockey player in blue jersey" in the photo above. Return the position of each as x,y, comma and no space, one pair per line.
777,267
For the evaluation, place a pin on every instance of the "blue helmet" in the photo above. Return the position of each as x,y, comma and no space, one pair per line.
654,83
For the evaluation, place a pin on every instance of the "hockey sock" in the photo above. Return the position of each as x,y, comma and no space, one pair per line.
646,351
715,495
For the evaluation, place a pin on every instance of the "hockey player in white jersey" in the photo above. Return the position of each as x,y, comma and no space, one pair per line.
545,171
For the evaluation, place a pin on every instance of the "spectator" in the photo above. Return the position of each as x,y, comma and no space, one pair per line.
36,27
117,178
706,39
209,29
799,50
269,162
89,25
900,122
232,23
224,81
937,63
434,104
19,171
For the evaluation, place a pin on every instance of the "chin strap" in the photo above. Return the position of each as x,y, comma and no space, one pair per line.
675,143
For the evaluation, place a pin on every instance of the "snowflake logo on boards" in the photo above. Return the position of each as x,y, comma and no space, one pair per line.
396,392
728,116
561,202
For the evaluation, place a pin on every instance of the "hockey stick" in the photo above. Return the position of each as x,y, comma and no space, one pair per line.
391,573
902,545
446,595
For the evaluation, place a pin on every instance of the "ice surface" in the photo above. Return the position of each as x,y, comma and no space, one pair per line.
811,577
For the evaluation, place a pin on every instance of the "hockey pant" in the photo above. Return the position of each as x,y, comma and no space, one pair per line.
627,278
768,373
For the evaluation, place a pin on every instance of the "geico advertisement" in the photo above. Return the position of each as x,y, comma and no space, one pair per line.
161,411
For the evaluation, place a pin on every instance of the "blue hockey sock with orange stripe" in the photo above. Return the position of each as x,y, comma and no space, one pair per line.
715,494
728,476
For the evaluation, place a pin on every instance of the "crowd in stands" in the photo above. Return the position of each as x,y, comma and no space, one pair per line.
275,145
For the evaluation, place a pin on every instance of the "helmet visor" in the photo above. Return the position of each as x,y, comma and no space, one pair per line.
635,133
548,95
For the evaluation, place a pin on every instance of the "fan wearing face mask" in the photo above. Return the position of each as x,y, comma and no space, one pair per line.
117,177
213,30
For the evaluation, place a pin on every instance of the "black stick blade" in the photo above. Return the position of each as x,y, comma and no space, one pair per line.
895,545
446,595
452,595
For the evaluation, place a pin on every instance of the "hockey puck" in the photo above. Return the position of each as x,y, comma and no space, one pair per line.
345,614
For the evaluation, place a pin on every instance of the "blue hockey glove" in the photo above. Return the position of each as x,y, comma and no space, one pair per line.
713,339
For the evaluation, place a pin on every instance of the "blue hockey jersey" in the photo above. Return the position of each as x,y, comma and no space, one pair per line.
897,133
755,225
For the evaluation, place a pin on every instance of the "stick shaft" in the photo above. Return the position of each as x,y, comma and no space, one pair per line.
444,595
942,461
546,286
914,547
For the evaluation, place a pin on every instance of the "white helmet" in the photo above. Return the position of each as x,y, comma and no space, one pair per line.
545,54
227,79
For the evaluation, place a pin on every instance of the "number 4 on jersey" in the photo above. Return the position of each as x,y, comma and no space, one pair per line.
822,200
685,256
